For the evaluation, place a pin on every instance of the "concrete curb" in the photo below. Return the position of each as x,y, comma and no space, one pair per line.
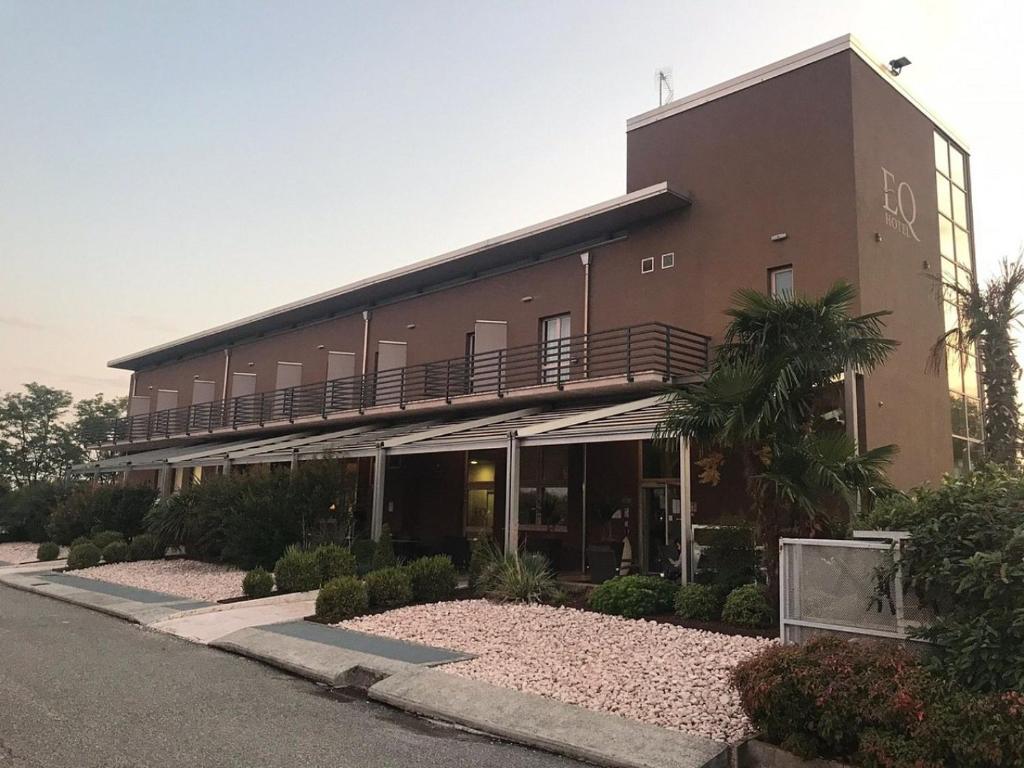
546,724
321,663
129,610
759,754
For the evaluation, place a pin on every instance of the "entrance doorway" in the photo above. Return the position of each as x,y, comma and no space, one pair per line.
661,525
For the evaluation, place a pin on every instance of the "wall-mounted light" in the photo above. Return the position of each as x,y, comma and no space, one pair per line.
252,364
410,326
896,65
778,236
319,346
526,299
195,377
474,461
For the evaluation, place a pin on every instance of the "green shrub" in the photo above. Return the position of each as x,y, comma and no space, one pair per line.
748,606
384,550
699,601
965,562
146,546
80,540
257,583
433,578
115,552
633,596
524,577
296,571
482,553
729,558
875,705
250,519
332,561
100,508
363,550
341,598
103,538
25,511
48,550
389,588
84,556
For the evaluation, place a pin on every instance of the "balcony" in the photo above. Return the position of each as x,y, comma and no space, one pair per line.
650,354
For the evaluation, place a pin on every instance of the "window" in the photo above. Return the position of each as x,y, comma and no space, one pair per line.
480,484
544,489
556,348
957,269
668,260
780,282
647,265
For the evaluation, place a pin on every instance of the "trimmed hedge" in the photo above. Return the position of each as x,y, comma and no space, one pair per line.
875,704
748,606
296,571
433,578
341,598
146,546
115,552
48,550
103,538
633,597
333,561
384,551
702,602
84,556
388,588
257,583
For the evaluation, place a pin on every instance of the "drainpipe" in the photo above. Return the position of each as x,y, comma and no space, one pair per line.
366,337
227,373
585,260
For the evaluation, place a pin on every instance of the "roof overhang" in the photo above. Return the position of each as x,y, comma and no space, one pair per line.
580,229
596,422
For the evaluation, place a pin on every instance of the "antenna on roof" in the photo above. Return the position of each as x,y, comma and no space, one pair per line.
663,77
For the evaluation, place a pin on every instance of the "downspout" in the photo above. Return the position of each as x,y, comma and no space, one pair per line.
227,369
585,260
366,337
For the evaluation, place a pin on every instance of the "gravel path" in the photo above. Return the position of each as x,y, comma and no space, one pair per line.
656,673
186,578
15,552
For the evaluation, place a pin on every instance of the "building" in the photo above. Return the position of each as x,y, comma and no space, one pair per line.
511,387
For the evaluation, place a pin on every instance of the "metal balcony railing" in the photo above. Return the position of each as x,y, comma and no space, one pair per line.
651,348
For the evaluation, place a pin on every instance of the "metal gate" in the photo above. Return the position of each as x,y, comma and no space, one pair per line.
847,587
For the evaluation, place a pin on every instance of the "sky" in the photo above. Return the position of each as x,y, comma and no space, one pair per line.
170,166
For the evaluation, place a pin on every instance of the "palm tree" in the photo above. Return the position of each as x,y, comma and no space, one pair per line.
762,400
989,319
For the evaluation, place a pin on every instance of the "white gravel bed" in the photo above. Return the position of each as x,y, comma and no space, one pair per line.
656,673
15,552
185,578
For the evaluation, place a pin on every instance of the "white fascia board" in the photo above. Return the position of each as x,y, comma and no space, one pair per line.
588,416
456,427
781,67
654,190
295,442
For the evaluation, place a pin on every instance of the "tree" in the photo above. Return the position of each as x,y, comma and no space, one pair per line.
988,320
762,400
35,441
94,414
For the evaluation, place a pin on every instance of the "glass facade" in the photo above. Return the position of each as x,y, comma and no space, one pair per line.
957,269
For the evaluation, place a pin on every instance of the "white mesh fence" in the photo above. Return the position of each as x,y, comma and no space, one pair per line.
844,587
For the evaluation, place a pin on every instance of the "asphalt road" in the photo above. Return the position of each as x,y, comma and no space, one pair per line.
81,690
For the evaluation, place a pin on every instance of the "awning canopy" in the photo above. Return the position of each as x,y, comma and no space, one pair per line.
594,423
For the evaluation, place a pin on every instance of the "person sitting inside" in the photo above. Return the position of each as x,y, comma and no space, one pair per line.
675,561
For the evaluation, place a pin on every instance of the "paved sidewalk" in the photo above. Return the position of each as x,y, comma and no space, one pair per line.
212,623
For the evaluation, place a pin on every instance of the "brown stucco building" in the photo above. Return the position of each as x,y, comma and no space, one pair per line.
523,372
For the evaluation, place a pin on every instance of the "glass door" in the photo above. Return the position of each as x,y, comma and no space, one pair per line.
555,349
661,516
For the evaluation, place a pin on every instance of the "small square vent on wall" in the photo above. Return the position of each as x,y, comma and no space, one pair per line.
668,260
647,265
